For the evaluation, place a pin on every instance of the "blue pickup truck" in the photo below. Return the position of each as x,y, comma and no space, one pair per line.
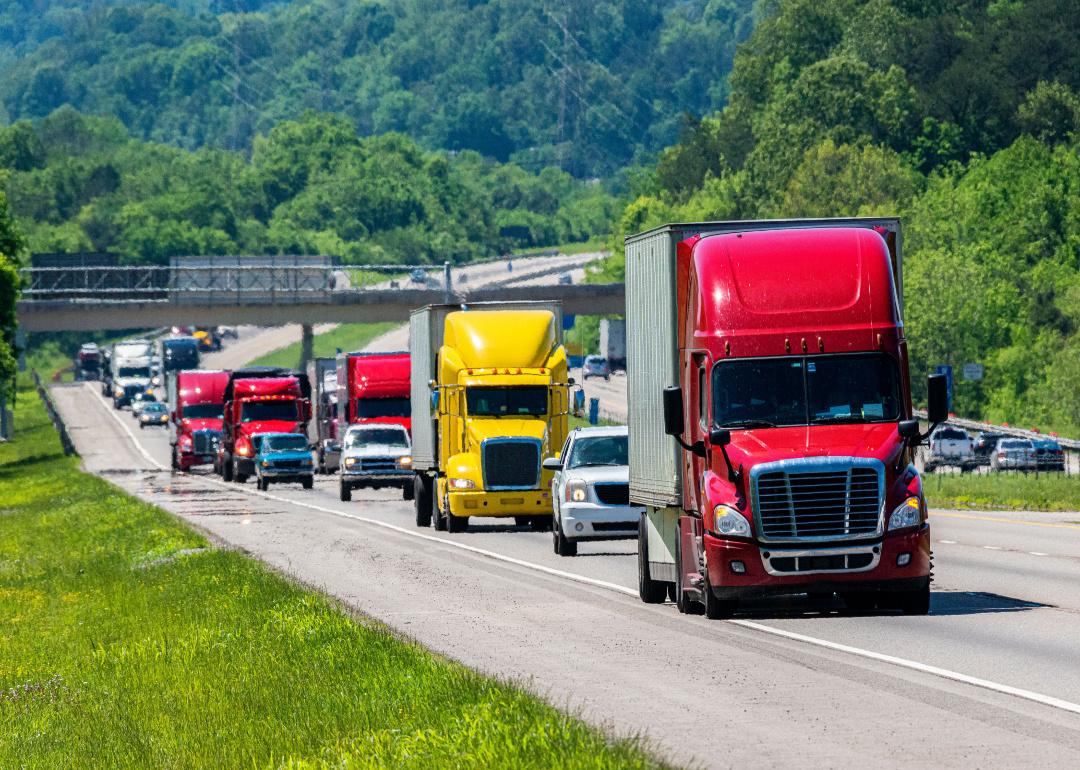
283,457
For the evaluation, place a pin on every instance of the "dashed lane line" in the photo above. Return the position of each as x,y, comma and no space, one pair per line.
955,676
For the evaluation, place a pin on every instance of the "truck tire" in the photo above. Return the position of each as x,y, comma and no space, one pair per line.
456,523
422,500
262,484
345,492
308,482
226,467
651,591
717,609
915,602
174,460
683,601
407,491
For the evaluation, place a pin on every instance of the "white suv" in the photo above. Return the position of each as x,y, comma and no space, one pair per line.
950,446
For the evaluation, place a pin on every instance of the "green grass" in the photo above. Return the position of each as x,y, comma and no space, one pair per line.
1004,491
347,337
128,640
583,422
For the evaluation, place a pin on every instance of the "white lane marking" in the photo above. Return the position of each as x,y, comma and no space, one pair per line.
955,676
127,430
992,547
947,542
1038,553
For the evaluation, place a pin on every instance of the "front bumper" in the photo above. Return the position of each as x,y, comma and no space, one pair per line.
355,479
244,465
761,580
590,521
286,474
530,502
189,459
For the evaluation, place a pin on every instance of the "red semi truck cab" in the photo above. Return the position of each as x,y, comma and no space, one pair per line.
771,430
260,399
373,388
197,398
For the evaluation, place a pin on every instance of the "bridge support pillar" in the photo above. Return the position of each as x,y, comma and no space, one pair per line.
307,345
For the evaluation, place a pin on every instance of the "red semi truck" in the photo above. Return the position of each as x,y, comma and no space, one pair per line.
197,398
373,388
771,430
259,399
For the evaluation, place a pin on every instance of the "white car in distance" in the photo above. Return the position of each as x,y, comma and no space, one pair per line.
591,489
376,455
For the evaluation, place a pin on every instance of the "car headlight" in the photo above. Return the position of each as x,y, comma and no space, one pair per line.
576,491
908,514
729,522
118,392
243,450
265,463
462,484
350,462
405,461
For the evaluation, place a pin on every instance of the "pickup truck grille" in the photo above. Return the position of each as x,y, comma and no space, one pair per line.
511,463
378,464
285,463
205,442
613,494
818,500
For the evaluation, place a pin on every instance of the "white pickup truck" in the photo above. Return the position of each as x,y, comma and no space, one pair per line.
950,446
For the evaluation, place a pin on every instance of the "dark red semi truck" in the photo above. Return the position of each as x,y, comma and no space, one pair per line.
771,428
259,399
197,398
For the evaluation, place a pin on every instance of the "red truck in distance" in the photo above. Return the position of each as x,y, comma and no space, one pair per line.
373,388
771,429
260,399
197,398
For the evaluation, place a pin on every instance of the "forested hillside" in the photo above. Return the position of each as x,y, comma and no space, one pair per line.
583,85
962,118
310,186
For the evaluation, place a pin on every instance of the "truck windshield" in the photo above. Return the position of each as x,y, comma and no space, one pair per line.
366,408
284,443
509,401
602,450
133,371
202,411
389,436
808,390
253,411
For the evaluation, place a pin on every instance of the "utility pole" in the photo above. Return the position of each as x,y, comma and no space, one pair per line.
307,346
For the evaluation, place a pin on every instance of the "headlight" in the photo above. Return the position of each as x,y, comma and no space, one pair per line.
350,462
908,514
405,461
265,463
462,484
727,521
576,491
243,450
155,381
118,392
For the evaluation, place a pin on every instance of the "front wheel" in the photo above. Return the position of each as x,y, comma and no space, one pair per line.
422,500
308,482
407,491
540,523
563,546
718,609
685,604
651,591
345,493
916,602
227,468
456,523
262,484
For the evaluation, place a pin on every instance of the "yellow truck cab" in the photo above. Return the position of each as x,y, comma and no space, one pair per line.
490,400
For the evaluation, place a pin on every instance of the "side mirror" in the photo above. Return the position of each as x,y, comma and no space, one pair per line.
719,436
569,380
908,429
432,385
673,411
552,464
937,390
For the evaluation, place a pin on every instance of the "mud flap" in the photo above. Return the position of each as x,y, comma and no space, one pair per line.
663,526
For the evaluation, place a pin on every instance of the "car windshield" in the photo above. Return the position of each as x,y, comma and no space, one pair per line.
389,436
951,434
601,450
202,411
133,371
808,390
155,408
366,408
292,442
526,400
1014,444
252,411
145,396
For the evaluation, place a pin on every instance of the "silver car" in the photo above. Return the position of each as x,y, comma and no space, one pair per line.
376,455
595,366
1013,454
591,489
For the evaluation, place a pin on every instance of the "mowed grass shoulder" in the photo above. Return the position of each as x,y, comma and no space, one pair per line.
347,337
128,640
1003,491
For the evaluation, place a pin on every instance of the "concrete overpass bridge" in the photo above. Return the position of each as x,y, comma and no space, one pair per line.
108,297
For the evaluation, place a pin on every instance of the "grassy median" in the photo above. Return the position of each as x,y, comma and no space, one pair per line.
1004,491
129,640
347,337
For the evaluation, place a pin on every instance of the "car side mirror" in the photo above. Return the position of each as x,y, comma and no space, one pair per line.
937,390
673,411
719,436
552,464
908,429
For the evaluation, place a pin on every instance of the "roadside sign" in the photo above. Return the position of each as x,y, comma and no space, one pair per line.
947,370
568,321
973,371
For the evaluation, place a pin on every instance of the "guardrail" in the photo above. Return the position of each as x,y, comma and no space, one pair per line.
54,416
1008,430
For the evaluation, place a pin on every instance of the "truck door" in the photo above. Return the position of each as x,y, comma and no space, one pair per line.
696,378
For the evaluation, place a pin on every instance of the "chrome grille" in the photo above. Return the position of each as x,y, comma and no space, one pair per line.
205,442
818,499
511,463
378,463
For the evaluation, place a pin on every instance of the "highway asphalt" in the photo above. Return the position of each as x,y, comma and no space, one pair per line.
990,678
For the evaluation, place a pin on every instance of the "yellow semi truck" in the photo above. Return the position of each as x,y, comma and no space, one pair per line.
490,400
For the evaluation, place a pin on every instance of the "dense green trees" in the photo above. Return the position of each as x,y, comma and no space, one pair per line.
584,85
310,186
962,118
12,247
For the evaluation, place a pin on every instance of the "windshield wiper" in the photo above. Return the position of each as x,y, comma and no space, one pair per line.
748,424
